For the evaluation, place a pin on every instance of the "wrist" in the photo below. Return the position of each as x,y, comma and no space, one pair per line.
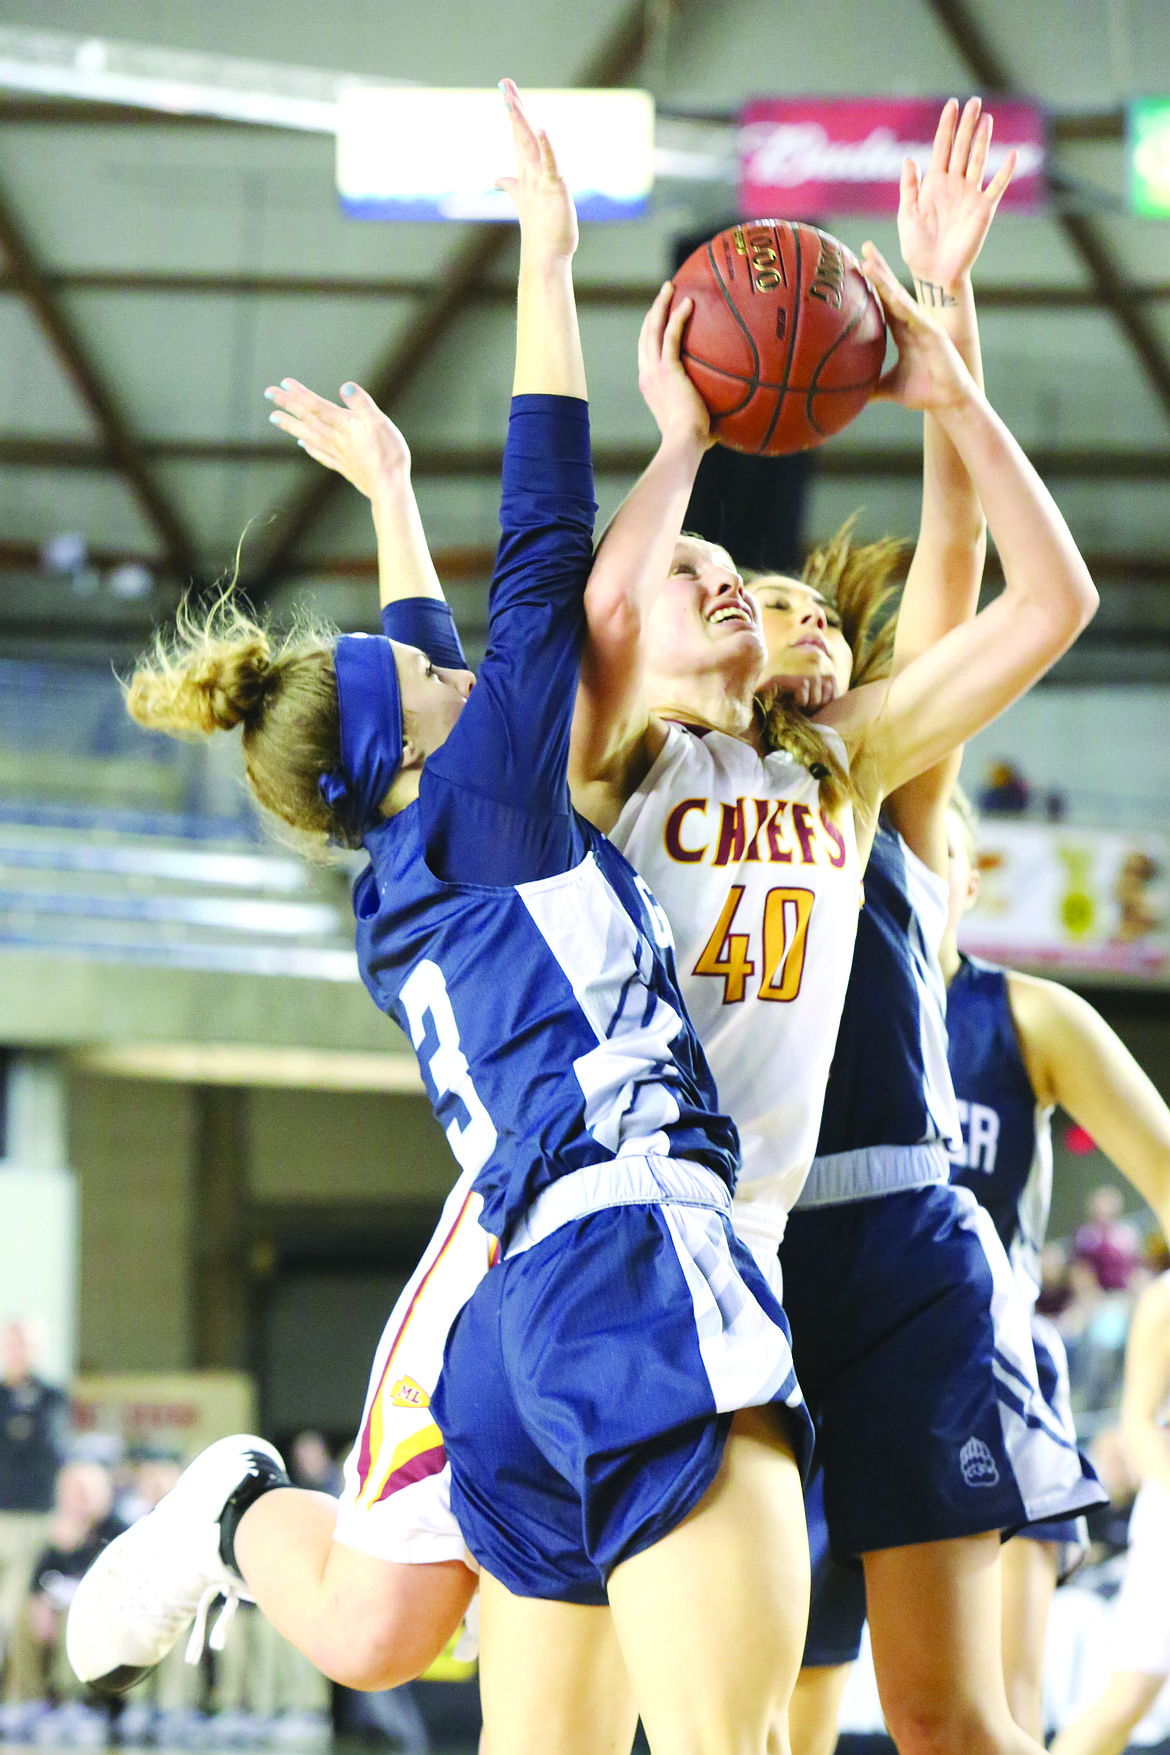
684,444
390,492
545,262
963,409
940,295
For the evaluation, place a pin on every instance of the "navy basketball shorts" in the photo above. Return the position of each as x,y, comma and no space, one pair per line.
912,1343
589,1382
836,1610
1069,1534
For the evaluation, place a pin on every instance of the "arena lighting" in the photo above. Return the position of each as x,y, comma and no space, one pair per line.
172,80
275,95
434,153
1148,144
246,1063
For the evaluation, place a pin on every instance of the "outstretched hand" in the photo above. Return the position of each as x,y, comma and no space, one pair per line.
944,212
548,218
358,441
670,396
928,373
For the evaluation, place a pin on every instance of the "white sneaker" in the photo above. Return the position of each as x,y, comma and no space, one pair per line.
164,1572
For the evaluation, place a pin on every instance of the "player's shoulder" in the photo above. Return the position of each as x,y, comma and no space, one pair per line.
1044,1010
1152,1310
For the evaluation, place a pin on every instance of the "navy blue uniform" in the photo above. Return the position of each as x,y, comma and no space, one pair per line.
1005,1158
534,974
911,1340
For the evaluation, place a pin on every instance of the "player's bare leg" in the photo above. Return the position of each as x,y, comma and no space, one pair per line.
934,1622
365,1622
1029,1581
815,1708
552,1678
712,1618
1104,1728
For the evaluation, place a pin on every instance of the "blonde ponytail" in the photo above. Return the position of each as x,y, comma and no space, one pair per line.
863,581
785,728
222,669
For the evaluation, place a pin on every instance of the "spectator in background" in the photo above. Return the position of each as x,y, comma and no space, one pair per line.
1056,1291
311,1465
1110,1244
1005,792
32,1448
1141,1615
81,1524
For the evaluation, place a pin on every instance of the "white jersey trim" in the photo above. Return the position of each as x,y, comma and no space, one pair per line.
618,1182
842,1177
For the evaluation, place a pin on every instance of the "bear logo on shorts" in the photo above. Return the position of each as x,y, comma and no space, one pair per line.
978,1464
406,1393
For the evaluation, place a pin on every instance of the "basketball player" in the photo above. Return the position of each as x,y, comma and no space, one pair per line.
617,1397
1140,1627
908,1327
1019,1046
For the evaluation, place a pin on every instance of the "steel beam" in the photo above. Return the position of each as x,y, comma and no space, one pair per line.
99,397
605,295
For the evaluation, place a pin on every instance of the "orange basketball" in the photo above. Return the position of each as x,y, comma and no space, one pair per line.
787,337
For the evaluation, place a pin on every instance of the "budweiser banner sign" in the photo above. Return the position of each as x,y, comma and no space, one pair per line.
803,157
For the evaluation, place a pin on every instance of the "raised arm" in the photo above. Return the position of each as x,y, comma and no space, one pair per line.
494,802
612,712
549,361
943,218
1147,1384
363,444
969,676
1076,1060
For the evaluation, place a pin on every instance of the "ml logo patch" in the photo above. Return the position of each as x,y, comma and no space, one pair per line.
978,1464
406,1393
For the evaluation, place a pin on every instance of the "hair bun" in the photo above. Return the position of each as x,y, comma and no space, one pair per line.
232,682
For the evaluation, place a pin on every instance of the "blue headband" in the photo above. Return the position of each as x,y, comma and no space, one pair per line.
370,704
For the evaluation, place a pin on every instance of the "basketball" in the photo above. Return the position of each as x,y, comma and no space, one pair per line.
787,337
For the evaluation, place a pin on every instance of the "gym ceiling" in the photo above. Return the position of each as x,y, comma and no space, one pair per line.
156,272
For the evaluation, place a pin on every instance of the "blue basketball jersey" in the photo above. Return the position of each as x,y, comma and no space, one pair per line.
889,1086
528,964
1005,1157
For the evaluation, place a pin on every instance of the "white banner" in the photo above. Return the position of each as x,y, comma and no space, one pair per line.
1071,898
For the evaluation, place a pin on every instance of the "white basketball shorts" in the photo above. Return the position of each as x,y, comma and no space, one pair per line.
396,1500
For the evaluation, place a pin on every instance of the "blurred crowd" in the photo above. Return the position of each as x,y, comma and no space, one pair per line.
61,1500
1091,1282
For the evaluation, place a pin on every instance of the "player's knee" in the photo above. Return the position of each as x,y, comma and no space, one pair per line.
387,1629
384,1651
940,1727
1025,1703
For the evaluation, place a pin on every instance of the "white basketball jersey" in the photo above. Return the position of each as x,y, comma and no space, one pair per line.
762,891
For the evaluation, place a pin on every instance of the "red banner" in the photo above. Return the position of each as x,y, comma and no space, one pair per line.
801,158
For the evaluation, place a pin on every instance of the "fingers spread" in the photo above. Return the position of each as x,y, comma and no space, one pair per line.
1003,177
964,134
944,136
980,147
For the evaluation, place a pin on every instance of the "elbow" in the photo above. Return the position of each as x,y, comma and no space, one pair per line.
614,618
1078,606
1089,601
